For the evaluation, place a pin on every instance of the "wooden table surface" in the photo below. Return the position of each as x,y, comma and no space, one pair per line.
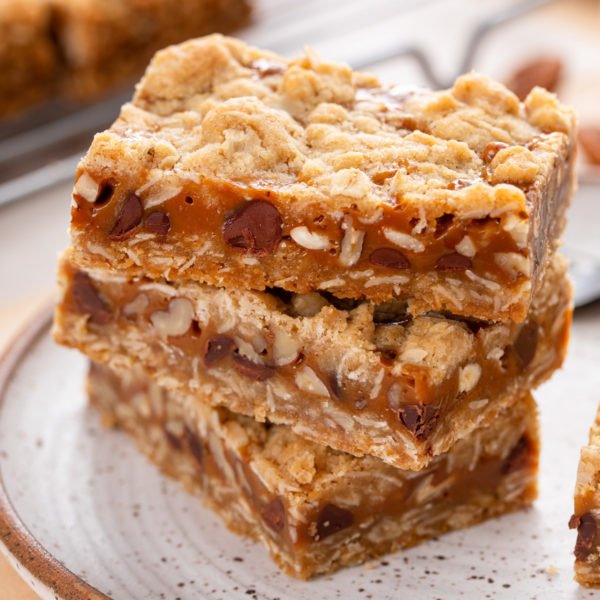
35,230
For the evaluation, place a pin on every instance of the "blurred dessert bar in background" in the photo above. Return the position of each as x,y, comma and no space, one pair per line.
85,49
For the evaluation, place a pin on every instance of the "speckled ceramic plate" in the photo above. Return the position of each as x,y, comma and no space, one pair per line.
83,515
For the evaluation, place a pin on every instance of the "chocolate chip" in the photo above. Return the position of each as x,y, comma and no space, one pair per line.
442,224
388,356
128,220
389,258
252,370
173,440
273,515
196,449
517,458
333,519
587,530
216,348
491,150
526,344
158,222
88,300
255,228
419,419
453,262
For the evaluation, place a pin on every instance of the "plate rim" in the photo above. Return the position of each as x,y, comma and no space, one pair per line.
17,543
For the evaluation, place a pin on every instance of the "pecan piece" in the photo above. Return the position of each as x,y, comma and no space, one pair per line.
589,139
545,71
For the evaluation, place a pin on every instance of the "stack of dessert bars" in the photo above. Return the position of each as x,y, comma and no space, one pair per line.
322,302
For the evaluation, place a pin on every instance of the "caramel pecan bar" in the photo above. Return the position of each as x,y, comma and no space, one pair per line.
360,377
587,511
28,56
108,43
314,508
238,168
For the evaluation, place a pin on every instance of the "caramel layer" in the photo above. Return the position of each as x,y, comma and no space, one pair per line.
452,247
